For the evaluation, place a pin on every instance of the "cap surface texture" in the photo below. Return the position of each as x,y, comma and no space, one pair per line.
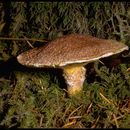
69,49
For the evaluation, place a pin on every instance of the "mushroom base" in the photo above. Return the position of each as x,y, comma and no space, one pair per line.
74,76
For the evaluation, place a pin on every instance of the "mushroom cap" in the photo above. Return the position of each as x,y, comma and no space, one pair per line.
70,49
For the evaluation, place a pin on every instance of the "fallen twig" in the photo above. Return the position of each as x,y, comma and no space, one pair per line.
23,39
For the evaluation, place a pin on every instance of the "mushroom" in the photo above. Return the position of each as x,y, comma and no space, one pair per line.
71,53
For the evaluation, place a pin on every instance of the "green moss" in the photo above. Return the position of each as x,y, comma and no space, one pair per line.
31,99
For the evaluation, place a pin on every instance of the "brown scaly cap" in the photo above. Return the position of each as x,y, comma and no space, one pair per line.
69,49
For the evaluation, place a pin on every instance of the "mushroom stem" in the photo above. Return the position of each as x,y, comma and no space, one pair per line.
74,76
